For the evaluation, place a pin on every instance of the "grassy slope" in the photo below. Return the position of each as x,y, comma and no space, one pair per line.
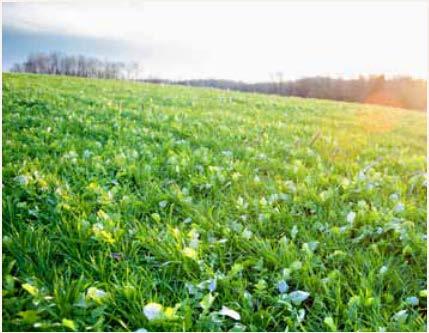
110,185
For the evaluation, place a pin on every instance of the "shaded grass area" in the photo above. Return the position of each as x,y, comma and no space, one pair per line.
294,214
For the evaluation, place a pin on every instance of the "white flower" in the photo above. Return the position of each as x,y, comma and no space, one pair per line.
194,242
71,155
379,230
153,311
163,204
212,285
286,273
394,197
412,300
225,311
247,234
192,289
21,180
351,217
311,246
297,297
248,297
95,294
100,293
241,203
399,207
141,330
294,232
300,316
400,316
383,270
282,286
284,240
273,198
87,153
296,265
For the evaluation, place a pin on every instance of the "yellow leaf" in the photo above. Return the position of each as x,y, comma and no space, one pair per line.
31,289
69,324
190,253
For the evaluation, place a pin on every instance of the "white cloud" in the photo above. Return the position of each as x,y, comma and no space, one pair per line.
248,40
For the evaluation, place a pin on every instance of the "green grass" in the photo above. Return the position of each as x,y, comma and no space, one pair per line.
117,195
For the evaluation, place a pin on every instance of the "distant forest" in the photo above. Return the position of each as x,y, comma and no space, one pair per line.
403,91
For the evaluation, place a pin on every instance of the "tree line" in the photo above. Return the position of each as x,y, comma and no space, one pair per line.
401,91
59,64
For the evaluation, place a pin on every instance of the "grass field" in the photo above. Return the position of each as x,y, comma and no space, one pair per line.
163,208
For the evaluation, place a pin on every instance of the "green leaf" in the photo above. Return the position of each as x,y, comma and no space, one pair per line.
329,322
29,316
207,302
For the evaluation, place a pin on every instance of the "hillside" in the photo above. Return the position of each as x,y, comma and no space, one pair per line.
133,206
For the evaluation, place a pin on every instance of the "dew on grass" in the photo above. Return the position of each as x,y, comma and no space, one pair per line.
130,169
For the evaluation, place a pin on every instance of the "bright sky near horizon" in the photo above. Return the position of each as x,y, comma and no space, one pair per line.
229,40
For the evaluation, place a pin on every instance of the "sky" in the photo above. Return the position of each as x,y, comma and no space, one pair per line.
242,40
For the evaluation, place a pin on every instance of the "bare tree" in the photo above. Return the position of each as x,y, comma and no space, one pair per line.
56,63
